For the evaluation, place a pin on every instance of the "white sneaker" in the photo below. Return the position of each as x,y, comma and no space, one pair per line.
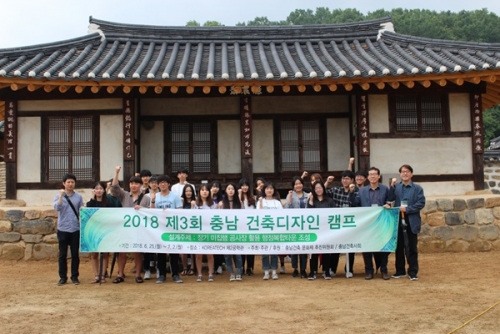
332,273
219,270
232,278
282,270
348,274
275,276
288,259
266,275
239,278
147,275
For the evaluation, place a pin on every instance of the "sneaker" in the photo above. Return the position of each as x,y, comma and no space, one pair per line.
161,279
249,272
219,270
348,274
177,279
266,275
295,273
275,276
328,277
332,273
147,275
282,270
396,275
239,278
303,274
288,259
210,278
75,280
62,281
199,279
232,278
312,276
413,278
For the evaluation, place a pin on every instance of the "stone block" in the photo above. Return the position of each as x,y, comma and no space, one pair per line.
445,204
491,184
475,203
13,251
453,218
484,216
480,246
443,232
496,213
14,215
489,232
436,219
470,217
431,246
459,204
50,239
488,170
5,226
457,246
495,191
495,177
2,214
32,214
40,226
425,230
492,202
13,203
430,206
465,232
28,252
44,252
48,213
495,245
32,238
10,237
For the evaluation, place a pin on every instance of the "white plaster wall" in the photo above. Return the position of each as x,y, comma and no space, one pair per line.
338,143
425,155
152,149
191,106
263,146
299,104
447,188
111,145
29,149
460,112
54,105
379,113
46,197
229,146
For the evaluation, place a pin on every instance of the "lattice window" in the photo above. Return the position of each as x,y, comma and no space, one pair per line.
419,113
191,146
300,146
70,148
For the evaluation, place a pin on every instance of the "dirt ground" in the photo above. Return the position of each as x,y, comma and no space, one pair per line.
453,288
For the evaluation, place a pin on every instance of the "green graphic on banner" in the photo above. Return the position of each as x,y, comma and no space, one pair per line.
239,238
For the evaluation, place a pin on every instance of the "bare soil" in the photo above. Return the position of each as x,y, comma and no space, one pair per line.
452,289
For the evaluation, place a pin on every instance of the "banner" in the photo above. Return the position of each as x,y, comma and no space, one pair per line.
288,231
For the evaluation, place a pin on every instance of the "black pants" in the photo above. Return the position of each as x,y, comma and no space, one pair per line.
148,257
250,259
218,261
411,254
162,264
302,259
334,262
381,259
71,239
313,263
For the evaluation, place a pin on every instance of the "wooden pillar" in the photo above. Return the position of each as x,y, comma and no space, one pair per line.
363,131
246,138
128,141
10,149
477,140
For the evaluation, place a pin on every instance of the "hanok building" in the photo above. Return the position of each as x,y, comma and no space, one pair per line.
227,102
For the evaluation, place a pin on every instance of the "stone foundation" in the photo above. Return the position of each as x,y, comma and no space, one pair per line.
456,224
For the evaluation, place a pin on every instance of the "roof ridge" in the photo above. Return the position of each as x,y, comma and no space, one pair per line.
435,42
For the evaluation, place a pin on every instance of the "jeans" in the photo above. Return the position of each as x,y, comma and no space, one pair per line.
71,239
265,262
237,263
303,261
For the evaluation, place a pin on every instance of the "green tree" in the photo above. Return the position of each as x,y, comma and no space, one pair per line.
491,121
192,23
212,24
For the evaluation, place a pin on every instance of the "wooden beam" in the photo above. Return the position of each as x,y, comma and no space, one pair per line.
143,89
317,88
286,88
174,89
270,89
16,87
127,89
256,89
441,82
489,78
222,89
457,81
190,89
110,89
425,83
380,85
489,99
206,90
395,84
332,87
158,89
32,87
63,89
365,85
95,89
493,88
301,88
348,87
474,80
409,84
79,89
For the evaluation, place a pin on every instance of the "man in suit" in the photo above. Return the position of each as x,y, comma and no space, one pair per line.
410,199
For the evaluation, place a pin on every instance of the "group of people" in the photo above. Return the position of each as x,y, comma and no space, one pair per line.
360,189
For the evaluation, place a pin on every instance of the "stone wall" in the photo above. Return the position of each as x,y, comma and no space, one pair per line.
460,224
492,171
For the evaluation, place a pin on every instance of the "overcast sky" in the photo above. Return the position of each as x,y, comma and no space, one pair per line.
29,22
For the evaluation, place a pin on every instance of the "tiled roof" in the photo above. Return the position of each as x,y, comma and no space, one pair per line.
120,52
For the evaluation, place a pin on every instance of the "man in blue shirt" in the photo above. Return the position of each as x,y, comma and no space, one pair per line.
68,203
